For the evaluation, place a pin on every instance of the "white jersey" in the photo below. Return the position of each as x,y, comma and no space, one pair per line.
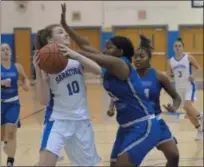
181,69
68,93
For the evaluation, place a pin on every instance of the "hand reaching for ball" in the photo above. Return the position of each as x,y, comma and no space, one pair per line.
67,52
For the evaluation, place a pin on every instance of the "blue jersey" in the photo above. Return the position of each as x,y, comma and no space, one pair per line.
152,89
11,73
129,97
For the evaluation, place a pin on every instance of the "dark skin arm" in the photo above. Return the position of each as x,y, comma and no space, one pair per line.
166,84
115,66
82,42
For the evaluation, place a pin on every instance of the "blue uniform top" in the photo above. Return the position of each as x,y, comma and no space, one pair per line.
11,73
129,97
152,89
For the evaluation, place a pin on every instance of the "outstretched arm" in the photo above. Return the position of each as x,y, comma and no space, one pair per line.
82,42
87,63
115,66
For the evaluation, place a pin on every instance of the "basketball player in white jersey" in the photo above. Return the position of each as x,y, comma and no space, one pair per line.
69,124
181,68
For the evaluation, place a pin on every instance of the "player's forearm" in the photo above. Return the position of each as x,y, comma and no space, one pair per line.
81,41
26,81
88,64
112,105
43,92
176,102
197,73
114,65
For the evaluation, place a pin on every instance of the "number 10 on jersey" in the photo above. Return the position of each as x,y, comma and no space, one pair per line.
73,88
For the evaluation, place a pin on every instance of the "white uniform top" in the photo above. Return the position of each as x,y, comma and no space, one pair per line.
181,69
68,93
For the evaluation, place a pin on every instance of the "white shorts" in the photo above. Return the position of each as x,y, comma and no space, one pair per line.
187,94
77,137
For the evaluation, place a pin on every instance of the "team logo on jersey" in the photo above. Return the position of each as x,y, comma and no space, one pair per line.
179,66
8,74
146,83
67,73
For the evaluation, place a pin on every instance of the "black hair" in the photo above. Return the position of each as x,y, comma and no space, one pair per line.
145,44
42,35
124,44
179,39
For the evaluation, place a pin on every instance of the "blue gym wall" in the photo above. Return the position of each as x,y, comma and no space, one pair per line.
9,38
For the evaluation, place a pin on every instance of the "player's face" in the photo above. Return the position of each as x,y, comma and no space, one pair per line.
60,36
5,52
141,59
178,47
112,50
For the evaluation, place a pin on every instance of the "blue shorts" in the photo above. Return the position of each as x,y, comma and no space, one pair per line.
137,140
166,134
10,113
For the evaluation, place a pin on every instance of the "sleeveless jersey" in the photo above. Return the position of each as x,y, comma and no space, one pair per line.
182,69
152,88
10,73
129,97
68,94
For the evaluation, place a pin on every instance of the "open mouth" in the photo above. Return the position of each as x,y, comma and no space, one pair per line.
137,64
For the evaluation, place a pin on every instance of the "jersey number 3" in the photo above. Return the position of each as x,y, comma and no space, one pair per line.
73,88
180,74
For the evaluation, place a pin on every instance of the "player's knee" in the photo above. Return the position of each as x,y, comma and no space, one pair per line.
11,136
187,104
124,160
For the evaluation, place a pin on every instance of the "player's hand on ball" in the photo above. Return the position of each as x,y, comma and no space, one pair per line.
63,15
169,108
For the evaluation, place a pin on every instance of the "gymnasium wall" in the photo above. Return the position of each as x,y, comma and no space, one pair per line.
97,13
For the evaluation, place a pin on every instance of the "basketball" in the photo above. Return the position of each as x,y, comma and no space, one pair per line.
51,59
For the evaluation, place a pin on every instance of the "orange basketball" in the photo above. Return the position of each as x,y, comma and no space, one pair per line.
51,59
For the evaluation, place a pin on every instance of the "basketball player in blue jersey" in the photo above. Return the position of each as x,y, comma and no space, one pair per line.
10,106
153,81
180,66
139,130
67,120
